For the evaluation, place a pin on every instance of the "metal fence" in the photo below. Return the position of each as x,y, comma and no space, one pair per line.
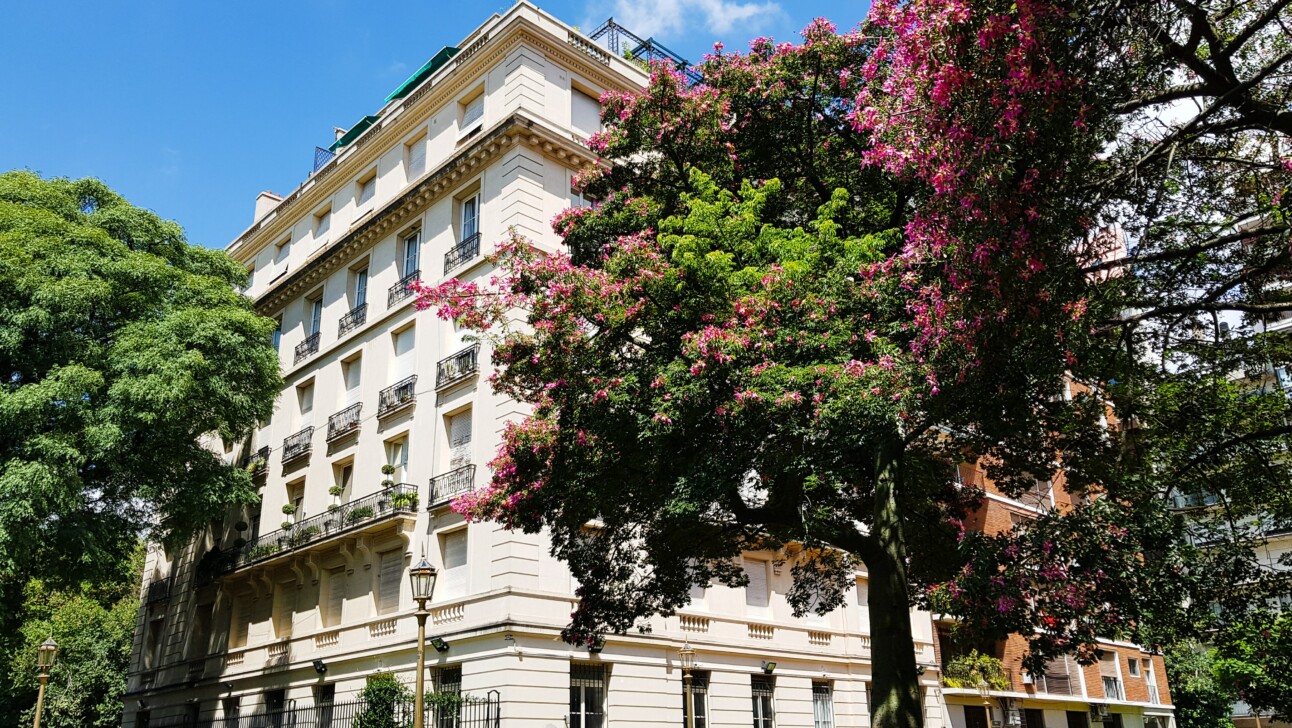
472,712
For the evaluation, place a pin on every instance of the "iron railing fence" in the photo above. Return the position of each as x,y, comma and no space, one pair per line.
295,446
453,483
400,290
259,457
462,253
457,367
397,396
159,590
344,422
307,347
471,712
353,320
398,498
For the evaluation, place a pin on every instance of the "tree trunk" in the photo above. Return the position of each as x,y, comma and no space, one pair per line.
895,690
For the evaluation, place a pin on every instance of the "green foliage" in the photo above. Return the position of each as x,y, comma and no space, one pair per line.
1200,700
288,509
359,514
403,500
382,693
967,671
1253,659
335,491
121,346
304,535
93,625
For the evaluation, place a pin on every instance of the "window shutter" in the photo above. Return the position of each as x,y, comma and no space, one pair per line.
454,555
241,622
460,439
1108,665
416,158
585,113
392,568
404,358
335,596
473,113
756,593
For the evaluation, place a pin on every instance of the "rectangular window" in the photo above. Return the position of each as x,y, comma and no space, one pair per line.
352,373
410,254
199,644
756,597
459,430
325,700
822,706
585,112
403,361
448,681
322,223
316,315
152,643
415,157
1132,664
762,689
1033,718
277,336
397,456
335,606
305,400
453,553
472,112
587,696
241,622
388,580
699,699
365,189
863,604
470,216
229,709
359,288
1113,720
1077,719
976,717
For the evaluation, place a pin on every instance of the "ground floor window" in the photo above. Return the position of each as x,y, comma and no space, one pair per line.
822,706
762,689
1078,719
699,699
1033,718
587,696
976,717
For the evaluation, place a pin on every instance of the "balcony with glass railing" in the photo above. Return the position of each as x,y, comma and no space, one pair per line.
370,512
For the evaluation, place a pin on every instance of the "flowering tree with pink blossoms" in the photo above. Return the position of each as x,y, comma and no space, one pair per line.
811,285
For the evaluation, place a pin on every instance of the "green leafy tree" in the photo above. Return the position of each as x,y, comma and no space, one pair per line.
383,695
93,625
1253,659
1200,700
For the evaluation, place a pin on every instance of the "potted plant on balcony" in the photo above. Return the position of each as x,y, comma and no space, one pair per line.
387,470
359,514
400,501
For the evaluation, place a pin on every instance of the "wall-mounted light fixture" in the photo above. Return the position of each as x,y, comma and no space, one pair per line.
597,645
919,669
320,667
440,644
769,667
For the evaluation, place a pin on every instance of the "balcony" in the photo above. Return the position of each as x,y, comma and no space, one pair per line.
158,591
397,396
344,422
307,348
353,320
1113,689
400,290
256,461
353,516
451,484
298,445
462,253
454,369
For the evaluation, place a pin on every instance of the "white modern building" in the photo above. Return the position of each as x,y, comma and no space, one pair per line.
278,615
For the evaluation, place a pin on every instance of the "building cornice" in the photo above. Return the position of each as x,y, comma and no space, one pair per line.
402,117
517,129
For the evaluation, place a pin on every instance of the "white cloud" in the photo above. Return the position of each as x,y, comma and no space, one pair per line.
649,18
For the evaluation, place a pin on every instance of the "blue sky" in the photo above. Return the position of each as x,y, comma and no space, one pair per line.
192,108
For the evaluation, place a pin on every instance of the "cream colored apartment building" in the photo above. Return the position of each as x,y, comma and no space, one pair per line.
278,613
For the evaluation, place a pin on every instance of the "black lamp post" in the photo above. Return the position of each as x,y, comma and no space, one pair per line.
45,655
687,658
423,577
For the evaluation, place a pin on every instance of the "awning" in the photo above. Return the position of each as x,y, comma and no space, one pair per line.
423,73
354,132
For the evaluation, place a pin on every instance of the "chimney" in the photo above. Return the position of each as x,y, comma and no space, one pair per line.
339,132
266,201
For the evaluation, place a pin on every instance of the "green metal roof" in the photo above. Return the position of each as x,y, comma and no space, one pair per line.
354,132
436,63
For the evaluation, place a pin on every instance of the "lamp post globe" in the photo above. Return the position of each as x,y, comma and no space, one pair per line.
45,655
423,577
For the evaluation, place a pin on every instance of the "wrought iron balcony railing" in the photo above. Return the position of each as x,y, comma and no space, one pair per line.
258,458
397,396
457,367
385,503
298,445
462,253
400,290
158,591
344,422
307,348
353,320
451,484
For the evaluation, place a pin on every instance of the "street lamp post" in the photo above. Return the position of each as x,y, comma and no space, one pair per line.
687,656
423,578
45,655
